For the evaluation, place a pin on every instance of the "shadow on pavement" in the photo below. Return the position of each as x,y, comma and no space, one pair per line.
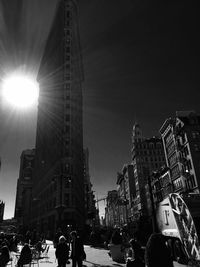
101,265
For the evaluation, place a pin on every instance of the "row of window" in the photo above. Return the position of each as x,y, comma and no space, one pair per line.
148,145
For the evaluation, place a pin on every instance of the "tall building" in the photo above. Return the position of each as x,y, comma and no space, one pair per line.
126,190
111,210
147,156
181,139
24,188
58,185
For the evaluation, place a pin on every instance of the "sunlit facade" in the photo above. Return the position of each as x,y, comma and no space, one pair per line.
181,139
58,187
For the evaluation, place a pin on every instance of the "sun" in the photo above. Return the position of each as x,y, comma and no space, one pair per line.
20,91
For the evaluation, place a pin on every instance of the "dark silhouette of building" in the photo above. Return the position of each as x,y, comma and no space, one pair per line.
24,188
58,184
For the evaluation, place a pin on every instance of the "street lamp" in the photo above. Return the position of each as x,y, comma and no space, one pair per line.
154,220
61,206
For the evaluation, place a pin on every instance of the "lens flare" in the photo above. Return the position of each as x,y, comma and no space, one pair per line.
20,91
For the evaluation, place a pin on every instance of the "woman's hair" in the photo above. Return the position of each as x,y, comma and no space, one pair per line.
62,239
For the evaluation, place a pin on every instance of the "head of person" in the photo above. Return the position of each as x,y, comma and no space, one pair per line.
25,249
5,251
73,234
2,235
62,239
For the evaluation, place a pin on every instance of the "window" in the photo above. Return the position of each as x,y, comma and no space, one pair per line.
175,172
189,165
196,148
195,135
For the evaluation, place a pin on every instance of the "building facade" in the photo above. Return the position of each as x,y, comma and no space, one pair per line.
58,184
181,140
147,156
24,188
111,210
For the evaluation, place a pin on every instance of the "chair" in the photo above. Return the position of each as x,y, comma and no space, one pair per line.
10,263
45,253
35,258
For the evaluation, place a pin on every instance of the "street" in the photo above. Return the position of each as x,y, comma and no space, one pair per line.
94,257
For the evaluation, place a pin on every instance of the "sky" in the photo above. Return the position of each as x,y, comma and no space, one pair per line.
141,64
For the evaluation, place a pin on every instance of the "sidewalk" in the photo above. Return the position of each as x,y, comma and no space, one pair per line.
95,257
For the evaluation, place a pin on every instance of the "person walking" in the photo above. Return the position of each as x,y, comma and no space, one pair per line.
25,256
4,256
135,255
62,252
77,250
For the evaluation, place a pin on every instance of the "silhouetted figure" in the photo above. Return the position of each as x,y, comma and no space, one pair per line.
4,256
116,237
157,253
25,256
57,236
135,257
62,252
77,250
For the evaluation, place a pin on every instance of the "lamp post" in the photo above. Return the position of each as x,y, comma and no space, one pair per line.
154,220
61,206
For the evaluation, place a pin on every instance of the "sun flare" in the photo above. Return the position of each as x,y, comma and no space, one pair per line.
20,91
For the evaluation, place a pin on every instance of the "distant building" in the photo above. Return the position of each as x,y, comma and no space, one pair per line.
181,139
111,210
24,188
147,156
2,207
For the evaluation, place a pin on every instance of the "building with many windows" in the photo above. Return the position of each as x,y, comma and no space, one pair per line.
111,210
181,140
58,181
147,156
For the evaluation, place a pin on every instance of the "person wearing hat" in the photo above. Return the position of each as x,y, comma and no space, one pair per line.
62,252
77,250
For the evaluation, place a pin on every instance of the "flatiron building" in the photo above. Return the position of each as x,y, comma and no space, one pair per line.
58,180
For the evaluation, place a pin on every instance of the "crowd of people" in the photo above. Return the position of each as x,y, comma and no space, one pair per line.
67,247
159,250
70,246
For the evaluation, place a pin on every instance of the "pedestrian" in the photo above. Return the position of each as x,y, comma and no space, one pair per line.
57,236
116,237
135,255
77,250
25,256
4,256
62,252
157,253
